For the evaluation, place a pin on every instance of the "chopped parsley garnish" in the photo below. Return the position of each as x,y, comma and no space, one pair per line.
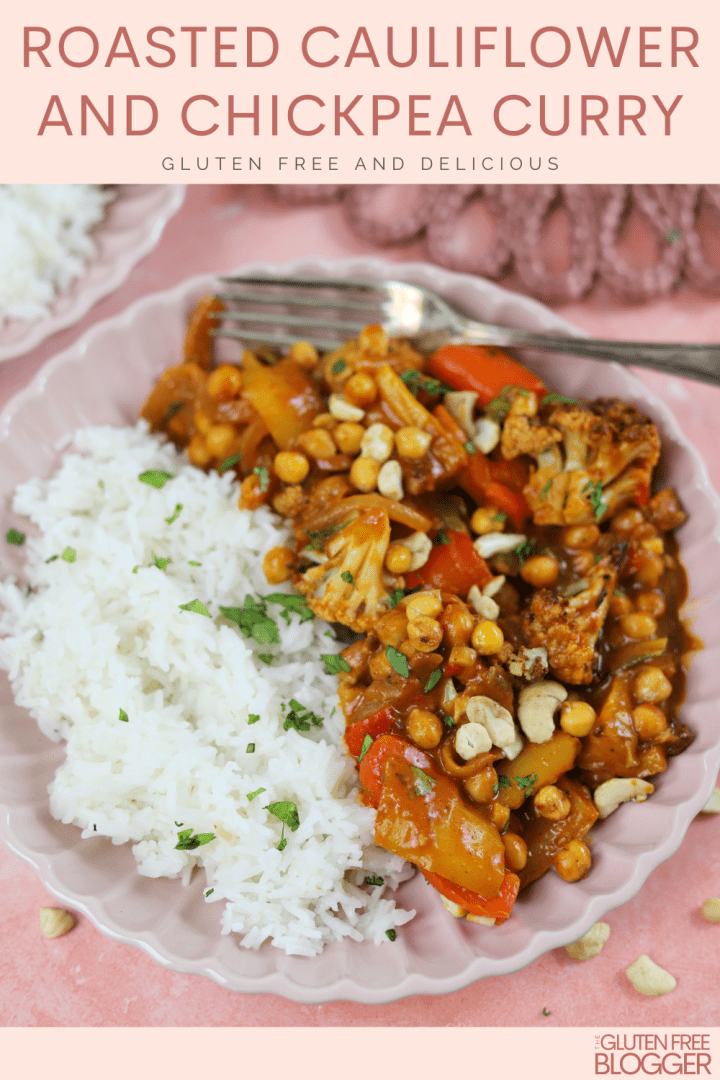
266,657
161,563
440,538
123,716
14,537
250,748
173,408
253,718
52,558
254,794
558,399
319,537
594,493
545,489
291,602
156,478
366,744
447,720
173,516
339,366
391,934
283,842
546,1012
470,447
423,783
334,663
503,782
524,550
69,554
300,717
373,879
415,380
209,893
188,842
101,484
348,578
196,606
287,812
191,562
228,463
398,661
526,782
500,406
263,476
433,680
253,621
395,597
500,516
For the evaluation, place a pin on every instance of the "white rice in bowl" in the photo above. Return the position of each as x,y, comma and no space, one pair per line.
45,242
101,636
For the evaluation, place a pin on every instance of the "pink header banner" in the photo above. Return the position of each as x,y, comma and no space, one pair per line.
399,92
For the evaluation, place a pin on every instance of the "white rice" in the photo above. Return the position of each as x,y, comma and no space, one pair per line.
96,636
45,242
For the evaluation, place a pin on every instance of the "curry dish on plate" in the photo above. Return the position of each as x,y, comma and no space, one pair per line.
502,565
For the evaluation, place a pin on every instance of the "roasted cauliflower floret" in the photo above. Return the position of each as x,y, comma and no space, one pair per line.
569,626
349,585
592,459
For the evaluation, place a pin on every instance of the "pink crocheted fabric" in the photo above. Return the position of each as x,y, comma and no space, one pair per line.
559,240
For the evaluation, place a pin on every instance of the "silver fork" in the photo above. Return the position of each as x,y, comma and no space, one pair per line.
329,311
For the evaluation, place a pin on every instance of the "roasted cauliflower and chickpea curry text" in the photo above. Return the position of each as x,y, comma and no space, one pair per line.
513,582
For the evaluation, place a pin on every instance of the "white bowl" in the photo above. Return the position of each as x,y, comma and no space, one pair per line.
104,378
132,225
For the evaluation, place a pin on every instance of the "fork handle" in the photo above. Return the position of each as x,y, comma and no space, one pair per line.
692,361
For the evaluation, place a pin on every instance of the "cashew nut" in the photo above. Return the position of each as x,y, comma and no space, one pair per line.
494,585
377,442
461,405
455,910
589,944
487,435
484,605
390,481
419,545
712,806
650,979
536,709
608,796
55,921
495,543
496,720
342,409
472,739
513,749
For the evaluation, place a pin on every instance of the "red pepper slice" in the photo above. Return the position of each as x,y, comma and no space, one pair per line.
372,766
497,907
378,723
510,502
481,368
453,567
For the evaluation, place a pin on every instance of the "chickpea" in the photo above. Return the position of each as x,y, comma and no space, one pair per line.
392,628
202,422
425,633
573,862
583,562
291,502
487,519
198,451
348,437
220,439
424,728
379,666
487,638
654,544
462,656
278,565
620,604
552,803
251,497
515,851
318,443
303,353
500,815
638,625
651,602
540,571
291,467
580,537
424,603
374,339
481,786
360,389
457,625
412,443
651,685
577,718
364,473
398,559
650,570
649,721
627,520
225,382
325,420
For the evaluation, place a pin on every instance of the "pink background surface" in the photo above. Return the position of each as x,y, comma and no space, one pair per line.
85,979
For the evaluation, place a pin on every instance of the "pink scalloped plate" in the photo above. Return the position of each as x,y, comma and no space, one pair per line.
103,378
129,231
